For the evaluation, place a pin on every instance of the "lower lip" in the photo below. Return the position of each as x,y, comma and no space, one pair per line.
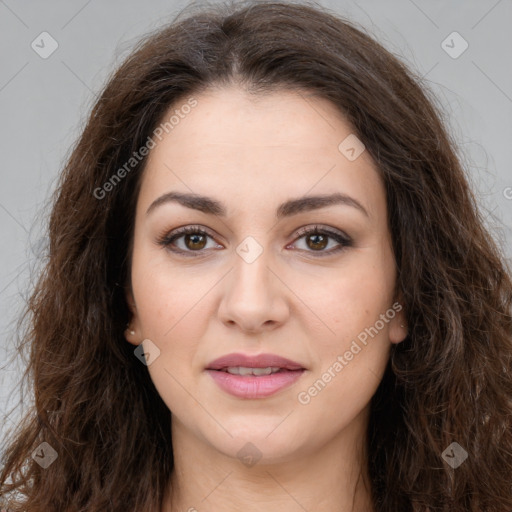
252,386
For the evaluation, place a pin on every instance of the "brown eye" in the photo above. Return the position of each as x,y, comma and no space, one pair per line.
317,241
188,241
195,241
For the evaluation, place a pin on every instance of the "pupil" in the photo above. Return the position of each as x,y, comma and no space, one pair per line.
317,244
194,238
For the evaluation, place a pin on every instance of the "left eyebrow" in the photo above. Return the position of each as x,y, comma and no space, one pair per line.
307,203
291,207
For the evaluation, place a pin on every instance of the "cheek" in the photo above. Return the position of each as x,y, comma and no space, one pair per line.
172,316
355,348
169,312
353,299
349,364
166,296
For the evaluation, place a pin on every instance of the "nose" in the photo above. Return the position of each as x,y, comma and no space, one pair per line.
254,296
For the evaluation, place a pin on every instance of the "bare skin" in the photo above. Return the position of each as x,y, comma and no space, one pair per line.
299,298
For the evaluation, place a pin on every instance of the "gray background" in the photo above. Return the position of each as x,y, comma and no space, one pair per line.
43,103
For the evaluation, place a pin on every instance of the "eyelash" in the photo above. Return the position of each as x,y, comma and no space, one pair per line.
167,239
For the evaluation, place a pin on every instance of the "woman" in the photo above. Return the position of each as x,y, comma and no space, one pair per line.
268,288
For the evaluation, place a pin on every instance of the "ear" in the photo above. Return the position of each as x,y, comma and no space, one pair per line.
132,332
398,328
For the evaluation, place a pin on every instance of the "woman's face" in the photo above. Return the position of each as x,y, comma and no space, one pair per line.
255,284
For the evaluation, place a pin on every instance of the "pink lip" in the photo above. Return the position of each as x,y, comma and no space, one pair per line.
254,387
259,361
248,386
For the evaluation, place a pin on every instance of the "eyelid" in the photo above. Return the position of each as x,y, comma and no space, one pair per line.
307,230
342,239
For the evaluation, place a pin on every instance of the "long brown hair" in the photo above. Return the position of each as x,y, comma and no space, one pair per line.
449,382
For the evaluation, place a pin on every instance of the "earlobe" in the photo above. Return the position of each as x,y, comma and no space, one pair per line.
397,332
131,331
130,335
398,328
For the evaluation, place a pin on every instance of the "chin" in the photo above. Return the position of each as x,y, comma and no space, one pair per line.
259,440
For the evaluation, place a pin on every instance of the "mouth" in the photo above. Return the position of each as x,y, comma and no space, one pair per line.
244,371
262,364
253,377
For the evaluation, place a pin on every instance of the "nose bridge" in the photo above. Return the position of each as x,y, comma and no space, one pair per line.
251,296
252,268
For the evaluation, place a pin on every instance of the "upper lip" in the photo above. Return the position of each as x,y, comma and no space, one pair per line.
255,361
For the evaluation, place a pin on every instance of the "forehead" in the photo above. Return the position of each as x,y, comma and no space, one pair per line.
279,144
